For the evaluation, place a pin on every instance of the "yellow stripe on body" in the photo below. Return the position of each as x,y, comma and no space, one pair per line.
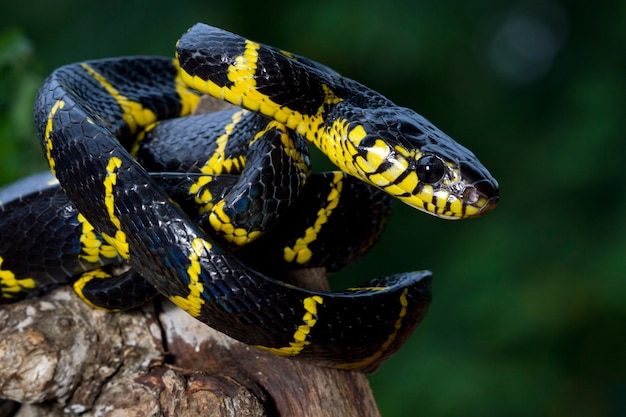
300,251
135,115
289,148
383,348
134,149
223,225
243,92
218,164
92,247
9,285
85,278
206,198
299,337
298,160
188,99
59,104
193,302
118,241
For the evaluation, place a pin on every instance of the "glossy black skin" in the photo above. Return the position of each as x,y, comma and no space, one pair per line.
354,328
43,233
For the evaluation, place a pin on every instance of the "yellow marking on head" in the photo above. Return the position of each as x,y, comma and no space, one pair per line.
398,166
376,156
59,104
193,302
439,202
299,337
409,182
92,247
344,154
85,278
387,343
456,206
135,115
357,134
9,285
118,241
300,251
454,174
379,180
473,211
405,152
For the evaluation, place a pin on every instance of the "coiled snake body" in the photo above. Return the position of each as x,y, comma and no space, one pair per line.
90,116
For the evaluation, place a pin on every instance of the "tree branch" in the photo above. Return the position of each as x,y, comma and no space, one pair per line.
60,357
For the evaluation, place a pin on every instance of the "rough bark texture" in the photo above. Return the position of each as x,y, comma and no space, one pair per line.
60,357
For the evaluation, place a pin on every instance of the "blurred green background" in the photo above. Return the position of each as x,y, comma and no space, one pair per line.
529,314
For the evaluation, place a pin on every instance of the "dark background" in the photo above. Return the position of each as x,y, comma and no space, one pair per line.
529,311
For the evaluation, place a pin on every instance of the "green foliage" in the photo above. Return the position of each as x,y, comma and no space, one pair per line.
529,308
18,85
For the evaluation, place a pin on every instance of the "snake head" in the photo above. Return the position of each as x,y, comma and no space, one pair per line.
405,155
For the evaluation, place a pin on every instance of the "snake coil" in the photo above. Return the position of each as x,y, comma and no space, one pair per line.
99,122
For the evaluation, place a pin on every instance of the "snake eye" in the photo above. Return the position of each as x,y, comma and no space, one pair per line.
430,169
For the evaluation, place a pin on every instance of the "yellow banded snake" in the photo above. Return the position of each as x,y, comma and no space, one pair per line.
366,135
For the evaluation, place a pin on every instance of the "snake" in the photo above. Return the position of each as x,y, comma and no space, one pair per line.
91,115
64,249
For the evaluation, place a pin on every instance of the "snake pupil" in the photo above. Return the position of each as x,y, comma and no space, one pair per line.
430,169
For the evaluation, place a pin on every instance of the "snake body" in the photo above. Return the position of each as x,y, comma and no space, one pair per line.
57,246
90,115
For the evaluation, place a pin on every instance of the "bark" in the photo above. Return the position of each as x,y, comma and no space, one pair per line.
60,357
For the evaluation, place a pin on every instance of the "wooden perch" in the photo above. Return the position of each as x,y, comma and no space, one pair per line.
59,357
